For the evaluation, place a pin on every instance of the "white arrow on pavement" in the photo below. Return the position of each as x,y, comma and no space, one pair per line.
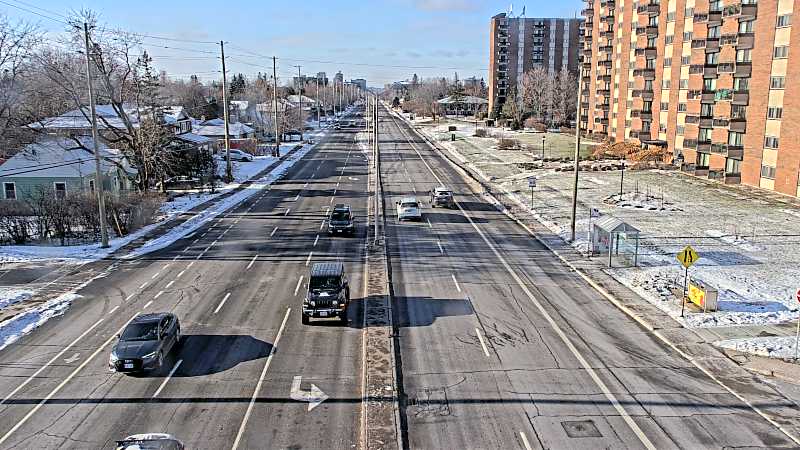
72,359
314,397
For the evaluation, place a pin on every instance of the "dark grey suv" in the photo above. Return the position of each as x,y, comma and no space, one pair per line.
328,293
145,342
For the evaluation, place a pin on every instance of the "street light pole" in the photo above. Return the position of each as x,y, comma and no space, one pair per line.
300,97
98,174
577,152
275,105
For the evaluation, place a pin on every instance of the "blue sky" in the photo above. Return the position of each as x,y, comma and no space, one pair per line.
450,35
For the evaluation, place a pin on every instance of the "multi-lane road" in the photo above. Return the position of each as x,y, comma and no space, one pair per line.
498,344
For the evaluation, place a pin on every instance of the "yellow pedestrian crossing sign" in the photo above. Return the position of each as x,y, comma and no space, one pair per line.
688,256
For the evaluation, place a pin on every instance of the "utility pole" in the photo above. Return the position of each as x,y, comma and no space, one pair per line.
577,152
228,166
300,97
98,173
319,121
275,105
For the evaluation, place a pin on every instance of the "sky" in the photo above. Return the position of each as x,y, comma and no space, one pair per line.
380,40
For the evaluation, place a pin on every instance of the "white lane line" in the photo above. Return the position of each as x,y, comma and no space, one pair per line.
158,295
316,239
147,304
308,260
331,200
456,282
176,257
141,286
180,274
273,232
441,250
169,284
603,387
203,235
260,381
429,223
287,211
195,241
166,380
190,264
305,185
483,343
155,275
322,225
337,185
227,296
129,297
251,262
113,309
214,243
297,197
47,364
297,288
525,441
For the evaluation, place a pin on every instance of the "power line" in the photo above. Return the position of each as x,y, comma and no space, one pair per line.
33,12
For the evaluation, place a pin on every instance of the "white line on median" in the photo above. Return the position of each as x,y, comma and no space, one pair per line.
169,284
222,302
251,262
456,282
180,274
159,294
316,239
141,286
147,304
297,288
322,225
525,441
308,260
155,275
441,250
113,309
429,223
273,232
129,297
297,197
483,343
190,264
260,381
171,373
287,211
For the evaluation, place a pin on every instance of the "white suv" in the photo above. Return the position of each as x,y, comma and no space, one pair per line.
408,208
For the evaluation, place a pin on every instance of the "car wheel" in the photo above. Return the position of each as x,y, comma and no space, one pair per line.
343,317
304,319
160,359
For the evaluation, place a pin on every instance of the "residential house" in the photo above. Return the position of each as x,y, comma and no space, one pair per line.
462,105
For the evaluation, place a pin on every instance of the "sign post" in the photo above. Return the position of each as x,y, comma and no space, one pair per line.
797,337
593,213
687,258
531,185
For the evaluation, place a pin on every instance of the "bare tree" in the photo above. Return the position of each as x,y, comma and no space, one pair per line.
512,108
565,97
536,92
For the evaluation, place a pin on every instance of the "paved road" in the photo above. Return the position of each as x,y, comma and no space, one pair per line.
236,286
503,347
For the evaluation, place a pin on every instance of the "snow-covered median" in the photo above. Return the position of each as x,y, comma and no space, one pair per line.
21,324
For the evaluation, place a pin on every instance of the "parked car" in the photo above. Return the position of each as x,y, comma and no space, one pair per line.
408,208
341,220
144,343
180,182
441,196
238,155
150,441
328,293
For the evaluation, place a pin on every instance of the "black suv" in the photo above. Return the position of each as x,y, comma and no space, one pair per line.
143,344
341,220
328,292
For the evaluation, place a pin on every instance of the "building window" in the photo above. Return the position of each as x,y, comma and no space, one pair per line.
709,84
777,82
714,5
10,191
687,36
703,159
680,129
733,166
667,62
746,26
668,39
61,189
781,52
738,111
768,172
771,142
714,32
712,58
784,20
743,55
741,84
704,135
683,84
91,185
665,83
681,107
664,106
686,60
735,138
774,112
670,16
707,110
688,13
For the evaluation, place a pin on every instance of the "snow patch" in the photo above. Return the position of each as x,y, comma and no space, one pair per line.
20,325
10,296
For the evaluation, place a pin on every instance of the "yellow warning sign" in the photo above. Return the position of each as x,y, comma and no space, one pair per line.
688,256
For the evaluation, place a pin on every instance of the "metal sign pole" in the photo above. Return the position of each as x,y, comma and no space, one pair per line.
683,299
797,339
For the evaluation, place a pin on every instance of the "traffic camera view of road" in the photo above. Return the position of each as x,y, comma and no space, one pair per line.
260,256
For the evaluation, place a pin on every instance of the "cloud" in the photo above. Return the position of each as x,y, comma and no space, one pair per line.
446,5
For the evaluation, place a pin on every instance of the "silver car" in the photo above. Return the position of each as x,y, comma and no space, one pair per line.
408,208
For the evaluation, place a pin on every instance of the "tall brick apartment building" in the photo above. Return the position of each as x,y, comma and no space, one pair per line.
716,81
520,44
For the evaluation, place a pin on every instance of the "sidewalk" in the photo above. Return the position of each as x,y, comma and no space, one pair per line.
740,374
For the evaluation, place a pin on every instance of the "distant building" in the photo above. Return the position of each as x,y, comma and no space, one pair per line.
463,105
338,78
518,44
360,82
322,77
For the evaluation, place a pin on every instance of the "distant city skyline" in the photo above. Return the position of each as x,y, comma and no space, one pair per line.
389,41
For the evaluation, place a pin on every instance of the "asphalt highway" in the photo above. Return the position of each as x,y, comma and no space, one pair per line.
501,346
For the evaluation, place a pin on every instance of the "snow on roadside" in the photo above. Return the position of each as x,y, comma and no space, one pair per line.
20,325
770,347
10,296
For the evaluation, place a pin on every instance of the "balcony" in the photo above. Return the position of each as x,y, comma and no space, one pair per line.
648,74
604,92
720,122
708,96
698,43
712,44
587,12
606,48
696,68
739,125
704,146
605,63
732,178
690,143
604,78
735,151
603,106
706,122
714,17
692,119
749,11
651,9
585,105
643,94
710,71
647,52
743,69
745,41
700,17
723,95
726,67
729,39
642,113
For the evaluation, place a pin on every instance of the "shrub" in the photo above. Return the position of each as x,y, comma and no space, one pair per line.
507,144
481,132
16,221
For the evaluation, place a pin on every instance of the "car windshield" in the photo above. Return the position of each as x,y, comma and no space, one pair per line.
324,283
443,193
144,331
409,205
340,215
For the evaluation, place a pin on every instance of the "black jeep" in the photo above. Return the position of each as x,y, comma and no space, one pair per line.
328,292
341,220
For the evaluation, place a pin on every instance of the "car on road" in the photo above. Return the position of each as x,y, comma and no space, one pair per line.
408,208
441,196
179,182
341,220
337,126
150,441
144,343
328,294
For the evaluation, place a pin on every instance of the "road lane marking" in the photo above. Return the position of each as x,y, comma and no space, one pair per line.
316,239
306,185
48,363
322,225
129,297
456,282
483,343
297,288
113,309
331,200
429,223
227,296
308,260
169,284
141,286
287,211
190,264
64,382
297,197
273,232
155,275
180,274
525,441
159,294
441,250
176,257
147,304
260,381
251,262
171,373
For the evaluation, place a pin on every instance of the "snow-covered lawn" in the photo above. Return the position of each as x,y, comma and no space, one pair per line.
771,347
748,244
10,296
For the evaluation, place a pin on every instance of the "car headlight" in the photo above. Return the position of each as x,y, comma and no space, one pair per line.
313,304
112,358
150,355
